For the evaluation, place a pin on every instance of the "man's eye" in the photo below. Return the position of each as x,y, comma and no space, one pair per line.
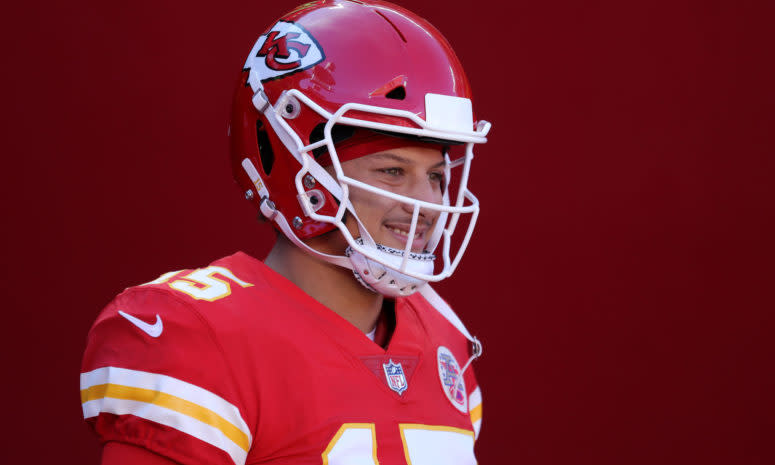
437,177
392,171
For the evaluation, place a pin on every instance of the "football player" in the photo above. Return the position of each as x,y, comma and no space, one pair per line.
352,132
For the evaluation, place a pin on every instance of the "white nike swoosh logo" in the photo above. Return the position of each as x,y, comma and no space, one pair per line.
153,330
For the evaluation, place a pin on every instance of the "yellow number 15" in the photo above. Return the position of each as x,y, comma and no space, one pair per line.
202,284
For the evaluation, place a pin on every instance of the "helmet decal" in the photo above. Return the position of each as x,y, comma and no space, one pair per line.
285,49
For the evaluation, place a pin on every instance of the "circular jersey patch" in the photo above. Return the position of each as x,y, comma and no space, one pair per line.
451,379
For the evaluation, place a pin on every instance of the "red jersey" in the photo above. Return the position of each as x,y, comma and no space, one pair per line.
234,364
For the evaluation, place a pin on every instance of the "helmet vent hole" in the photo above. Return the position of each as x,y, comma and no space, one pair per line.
399,93
265,152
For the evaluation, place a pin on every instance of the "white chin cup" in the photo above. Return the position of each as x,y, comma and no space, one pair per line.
384,280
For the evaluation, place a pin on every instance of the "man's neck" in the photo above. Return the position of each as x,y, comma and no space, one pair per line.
331,285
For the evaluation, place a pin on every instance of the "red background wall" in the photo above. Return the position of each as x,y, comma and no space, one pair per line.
620,278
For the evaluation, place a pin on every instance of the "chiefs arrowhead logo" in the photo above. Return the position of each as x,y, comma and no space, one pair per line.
287,48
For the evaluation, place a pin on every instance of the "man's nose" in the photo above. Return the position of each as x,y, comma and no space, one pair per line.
424,189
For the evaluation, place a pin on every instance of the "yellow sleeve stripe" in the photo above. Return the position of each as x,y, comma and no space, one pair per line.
476,413
185,407
167,401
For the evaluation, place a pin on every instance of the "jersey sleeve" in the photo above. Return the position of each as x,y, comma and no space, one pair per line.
154,376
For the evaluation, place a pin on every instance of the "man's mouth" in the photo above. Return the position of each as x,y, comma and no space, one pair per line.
401,235
404,232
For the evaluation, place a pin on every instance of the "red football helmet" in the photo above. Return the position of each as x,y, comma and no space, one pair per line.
331,76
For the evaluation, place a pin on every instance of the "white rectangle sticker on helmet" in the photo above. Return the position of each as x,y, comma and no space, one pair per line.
445,112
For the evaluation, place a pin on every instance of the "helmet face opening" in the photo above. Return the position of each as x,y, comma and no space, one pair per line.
321,88
410,227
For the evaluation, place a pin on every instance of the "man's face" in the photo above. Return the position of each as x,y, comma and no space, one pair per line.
416,172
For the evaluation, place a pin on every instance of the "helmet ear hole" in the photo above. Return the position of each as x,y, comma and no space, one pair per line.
399,93
265,151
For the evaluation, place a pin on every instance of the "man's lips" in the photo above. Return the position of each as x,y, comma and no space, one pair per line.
401,233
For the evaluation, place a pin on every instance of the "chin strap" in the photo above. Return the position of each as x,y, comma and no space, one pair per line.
383,280
446,311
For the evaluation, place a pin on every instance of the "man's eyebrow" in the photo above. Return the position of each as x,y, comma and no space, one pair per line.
400,159
391,156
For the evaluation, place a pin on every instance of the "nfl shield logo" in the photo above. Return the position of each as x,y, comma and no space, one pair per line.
395,376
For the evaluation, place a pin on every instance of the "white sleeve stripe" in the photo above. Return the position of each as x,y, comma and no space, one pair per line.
167,417
167,385
474,399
